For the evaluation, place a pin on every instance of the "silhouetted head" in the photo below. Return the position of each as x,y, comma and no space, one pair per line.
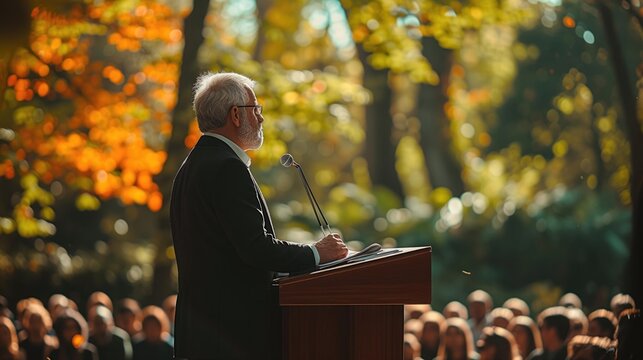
455,309
621,302
602,323
501,317
71,329
526,334
480,304
433,324
554,327
570,300
496,343
457,337
156,326
582,347
517,306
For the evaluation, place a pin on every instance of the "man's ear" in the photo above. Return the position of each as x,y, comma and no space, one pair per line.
235,116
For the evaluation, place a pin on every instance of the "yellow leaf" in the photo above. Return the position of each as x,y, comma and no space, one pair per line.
87,202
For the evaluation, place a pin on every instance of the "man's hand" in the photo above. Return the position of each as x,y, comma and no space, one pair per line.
331,248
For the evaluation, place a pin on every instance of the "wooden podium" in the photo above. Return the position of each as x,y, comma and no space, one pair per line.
355,310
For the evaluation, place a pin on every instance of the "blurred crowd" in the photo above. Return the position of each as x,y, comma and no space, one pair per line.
477,330
58,331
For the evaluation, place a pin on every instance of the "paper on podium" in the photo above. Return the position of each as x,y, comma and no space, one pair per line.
353,256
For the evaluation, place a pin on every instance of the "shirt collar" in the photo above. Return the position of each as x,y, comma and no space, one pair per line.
237,150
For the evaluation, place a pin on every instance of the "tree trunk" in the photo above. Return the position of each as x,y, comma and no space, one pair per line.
262,9
634,270
601,172
435,135
182,115
15,28
380,144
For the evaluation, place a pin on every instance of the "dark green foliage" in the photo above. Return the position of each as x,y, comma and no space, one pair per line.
574,244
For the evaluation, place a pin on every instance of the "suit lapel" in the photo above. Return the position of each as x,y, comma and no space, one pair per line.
264,207
206,140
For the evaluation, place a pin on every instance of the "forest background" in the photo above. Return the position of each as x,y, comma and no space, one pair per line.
505,134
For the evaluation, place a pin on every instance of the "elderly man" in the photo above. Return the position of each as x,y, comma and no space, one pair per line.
225,243
480,304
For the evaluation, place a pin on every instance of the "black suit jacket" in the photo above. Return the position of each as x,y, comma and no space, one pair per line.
226,253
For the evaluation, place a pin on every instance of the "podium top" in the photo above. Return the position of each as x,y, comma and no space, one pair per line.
392,276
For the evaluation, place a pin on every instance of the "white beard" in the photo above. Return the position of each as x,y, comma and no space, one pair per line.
251,137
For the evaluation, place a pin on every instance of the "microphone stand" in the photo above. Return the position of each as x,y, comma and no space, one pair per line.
314,203
287,161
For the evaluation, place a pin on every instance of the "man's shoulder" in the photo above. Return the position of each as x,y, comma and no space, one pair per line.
537,354
211,153
120,335
211,145
561,354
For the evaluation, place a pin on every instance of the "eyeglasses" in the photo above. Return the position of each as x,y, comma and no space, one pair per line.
258,108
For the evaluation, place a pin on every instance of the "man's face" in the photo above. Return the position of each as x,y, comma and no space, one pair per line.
551,342
152,330
431,334
37,326
126,321
477,310
489,352
69,330
100,326
454,338
595,329
251,131
5,335
500,322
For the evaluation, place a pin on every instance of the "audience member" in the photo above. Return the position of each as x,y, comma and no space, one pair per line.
602,323
411,348
457,341
111,342
629,334
517,306
414,311
432,325
497,343
480,305
413,326
621,302
583,347
554,328
72,333
570,300
99,298
578,322
563,332
169,306
36,344
527,336
9,349
57,303
21,309
4,308
501,317
128,317
455,309
154,343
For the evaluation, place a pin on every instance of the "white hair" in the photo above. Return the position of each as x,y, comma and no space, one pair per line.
215,94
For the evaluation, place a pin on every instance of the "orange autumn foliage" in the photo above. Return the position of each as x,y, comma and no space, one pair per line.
96,123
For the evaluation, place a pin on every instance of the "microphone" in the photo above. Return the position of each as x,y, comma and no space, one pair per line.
287,161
